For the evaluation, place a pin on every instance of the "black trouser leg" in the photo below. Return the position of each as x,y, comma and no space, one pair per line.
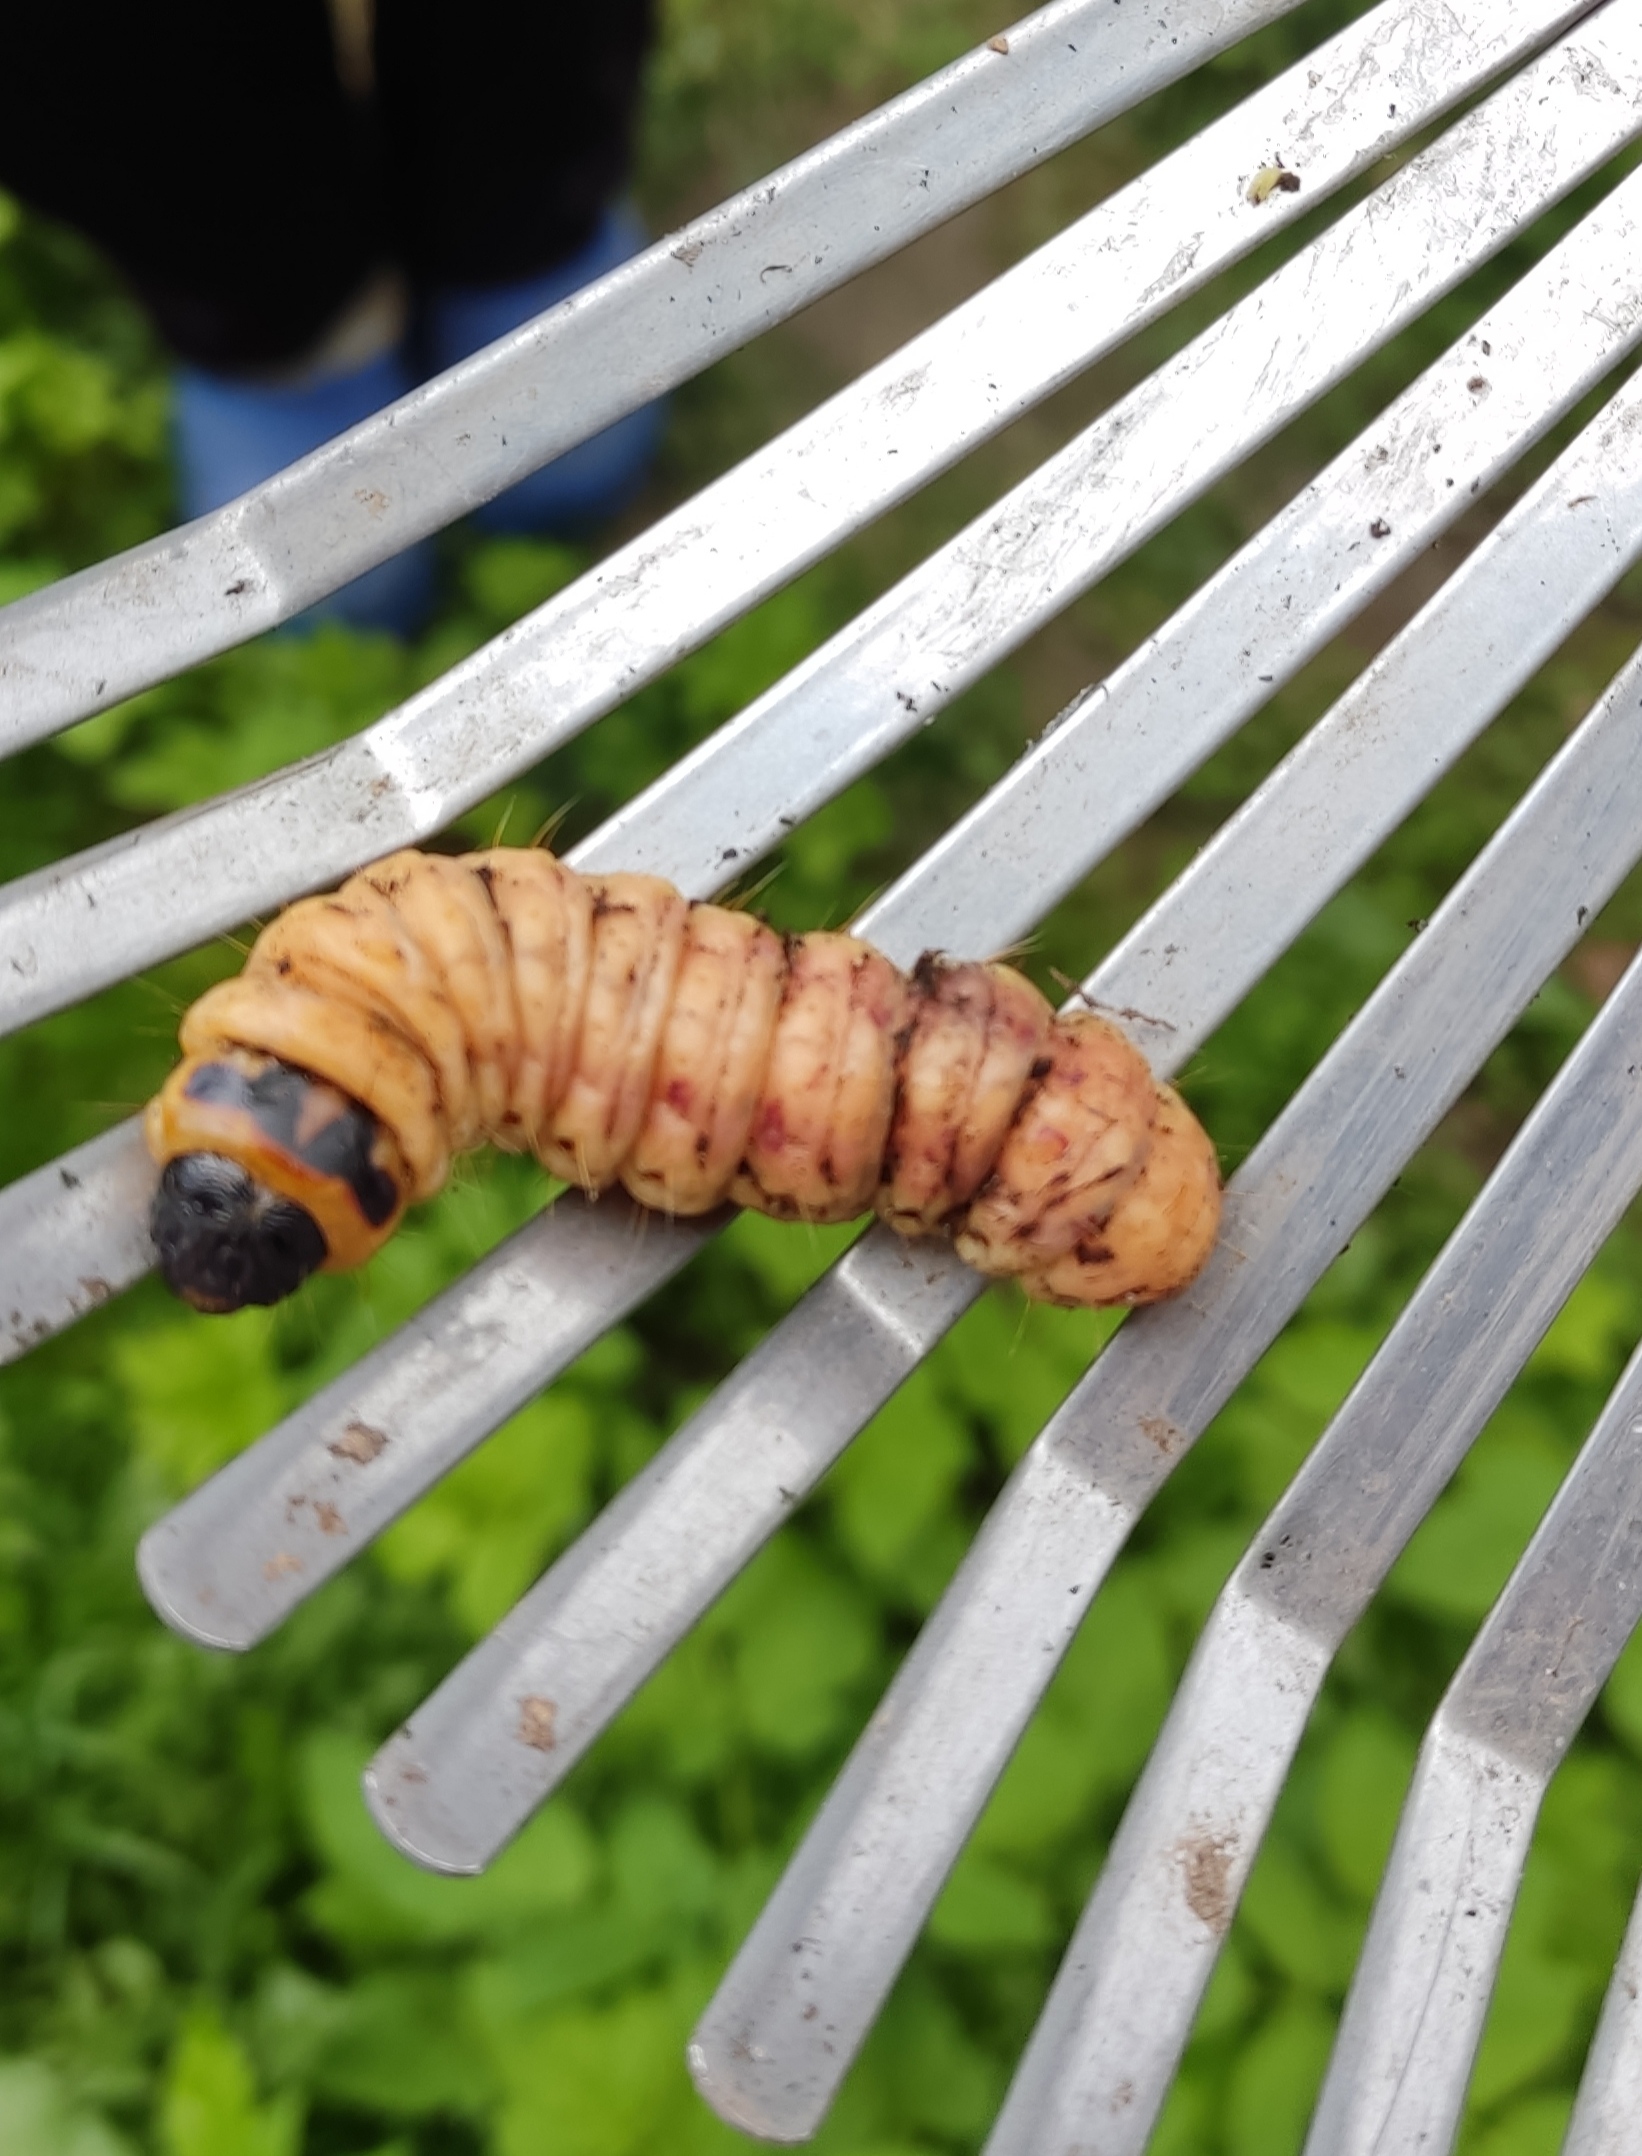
208,147
506,128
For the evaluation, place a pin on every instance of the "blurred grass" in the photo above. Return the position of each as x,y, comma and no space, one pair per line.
206,1950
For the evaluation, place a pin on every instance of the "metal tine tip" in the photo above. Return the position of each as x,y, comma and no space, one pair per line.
1122,2005
695,295
194,874
456,1784
1414,2014
776,2041
231,1561
53,1226
1610,2091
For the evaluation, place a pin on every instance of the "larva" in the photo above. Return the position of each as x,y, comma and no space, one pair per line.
685,1051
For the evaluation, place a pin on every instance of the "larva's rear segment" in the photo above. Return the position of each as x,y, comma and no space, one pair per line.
688,1052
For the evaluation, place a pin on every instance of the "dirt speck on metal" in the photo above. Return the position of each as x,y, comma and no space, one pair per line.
1205,1862
359,1442
536,1719
1161,1433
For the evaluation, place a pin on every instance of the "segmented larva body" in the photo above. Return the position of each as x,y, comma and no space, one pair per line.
686,1051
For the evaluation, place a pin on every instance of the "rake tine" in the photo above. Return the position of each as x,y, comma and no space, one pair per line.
1415,2011
75,1233
694,296
22,1289
273,1525
801,1994
454,1785
1610,2092
1103,2054
898,664
216,1561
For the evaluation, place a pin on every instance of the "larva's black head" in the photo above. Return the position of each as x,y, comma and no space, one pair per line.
225,1240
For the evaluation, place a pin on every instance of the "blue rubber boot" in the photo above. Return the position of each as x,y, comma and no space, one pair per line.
598,477
230,435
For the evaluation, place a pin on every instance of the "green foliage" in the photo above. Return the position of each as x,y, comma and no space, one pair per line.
207,1948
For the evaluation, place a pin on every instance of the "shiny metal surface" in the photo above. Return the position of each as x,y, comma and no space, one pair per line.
1103,2055
199,872
456,1775
193,874
231,1562
695,295
845,1915
1610,2093
1415,2013
214,1565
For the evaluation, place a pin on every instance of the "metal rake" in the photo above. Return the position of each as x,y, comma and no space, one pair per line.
1553,95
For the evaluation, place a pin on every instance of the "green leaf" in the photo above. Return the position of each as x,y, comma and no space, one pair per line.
1275,2080
1230,1995
1537,2009
986,1907
372,1897
789,1257
70,399
805,1637
1533,2127
898,1478
1460,1559
1095,1725
938,2078
1365,1774
1301,1932
210,2107
744,659
507,578
199,1390
402,2047
1622,1699
37,2117
659,1864
1316,1363
1189,2122
608,2081
489,1528
1016,1361
1591,1332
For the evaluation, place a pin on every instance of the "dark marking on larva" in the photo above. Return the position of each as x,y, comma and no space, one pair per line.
280,1102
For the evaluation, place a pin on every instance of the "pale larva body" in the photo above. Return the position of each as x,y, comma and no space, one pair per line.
685,1051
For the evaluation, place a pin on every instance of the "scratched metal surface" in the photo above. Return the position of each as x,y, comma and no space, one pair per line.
1558,93
194,874
695,295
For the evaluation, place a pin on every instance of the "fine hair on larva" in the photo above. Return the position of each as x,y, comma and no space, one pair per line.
686,1051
